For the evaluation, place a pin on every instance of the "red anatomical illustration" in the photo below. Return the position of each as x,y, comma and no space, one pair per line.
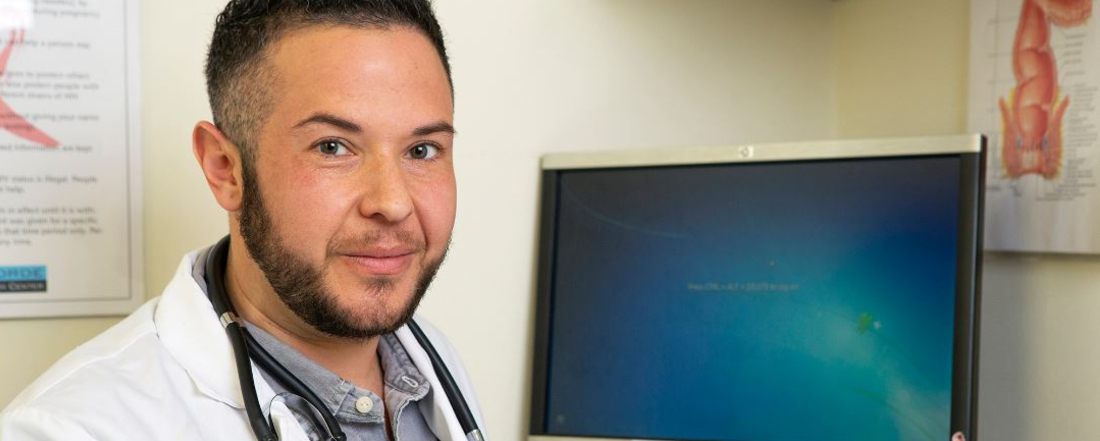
11,121
1032,114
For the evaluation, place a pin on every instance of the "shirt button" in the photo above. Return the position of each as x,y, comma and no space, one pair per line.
364,404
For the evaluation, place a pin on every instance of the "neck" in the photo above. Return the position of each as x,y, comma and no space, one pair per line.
355,360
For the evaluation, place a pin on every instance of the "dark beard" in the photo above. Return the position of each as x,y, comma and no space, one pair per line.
301,286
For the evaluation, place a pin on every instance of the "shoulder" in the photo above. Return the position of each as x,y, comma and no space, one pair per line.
122,353
118,343
31,423
119,366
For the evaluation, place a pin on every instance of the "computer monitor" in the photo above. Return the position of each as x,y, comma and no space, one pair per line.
818,291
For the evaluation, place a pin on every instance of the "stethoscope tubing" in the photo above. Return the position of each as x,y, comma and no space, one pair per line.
215,282
454,394
272,366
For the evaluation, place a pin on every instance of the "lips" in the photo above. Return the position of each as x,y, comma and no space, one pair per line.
381,262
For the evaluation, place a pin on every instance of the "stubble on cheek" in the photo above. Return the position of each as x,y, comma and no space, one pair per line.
311,291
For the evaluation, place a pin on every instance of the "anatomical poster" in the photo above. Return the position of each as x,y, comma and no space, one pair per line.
1034,81
70,176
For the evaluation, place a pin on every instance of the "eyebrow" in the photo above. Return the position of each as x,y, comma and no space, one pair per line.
439,127
341,123
332,120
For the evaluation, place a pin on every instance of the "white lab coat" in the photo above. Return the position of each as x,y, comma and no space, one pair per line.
167,372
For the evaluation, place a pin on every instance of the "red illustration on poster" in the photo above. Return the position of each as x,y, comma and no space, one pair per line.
1034,91
9,119
1032,114
70,158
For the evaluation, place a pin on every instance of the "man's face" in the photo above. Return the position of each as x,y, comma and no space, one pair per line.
349,204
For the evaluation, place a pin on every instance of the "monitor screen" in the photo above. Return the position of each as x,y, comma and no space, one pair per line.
795,299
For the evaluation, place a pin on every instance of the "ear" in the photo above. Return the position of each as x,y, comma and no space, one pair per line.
221,163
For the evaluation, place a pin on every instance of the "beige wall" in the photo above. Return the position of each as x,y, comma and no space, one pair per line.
531,77
902,69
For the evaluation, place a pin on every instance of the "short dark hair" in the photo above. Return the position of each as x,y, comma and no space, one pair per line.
237,78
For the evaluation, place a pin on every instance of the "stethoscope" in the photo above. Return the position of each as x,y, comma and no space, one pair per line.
245,348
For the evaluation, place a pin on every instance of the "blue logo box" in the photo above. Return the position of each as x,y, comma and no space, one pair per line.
24,278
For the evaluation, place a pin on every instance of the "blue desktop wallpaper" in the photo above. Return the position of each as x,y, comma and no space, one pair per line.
804,301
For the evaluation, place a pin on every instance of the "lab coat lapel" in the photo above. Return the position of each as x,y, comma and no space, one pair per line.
436,408
189,328
286,424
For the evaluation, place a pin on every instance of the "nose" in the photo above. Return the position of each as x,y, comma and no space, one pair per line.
385,196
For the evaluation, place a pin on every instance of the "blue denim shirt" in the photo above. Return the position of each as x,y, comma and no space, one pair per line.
360,412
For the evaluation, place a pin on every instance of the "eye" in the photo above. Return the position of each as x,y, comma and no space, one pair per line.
331,147
423,151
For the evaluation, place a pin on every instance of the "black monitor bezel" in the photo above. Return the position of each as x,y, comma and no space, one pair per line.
964,395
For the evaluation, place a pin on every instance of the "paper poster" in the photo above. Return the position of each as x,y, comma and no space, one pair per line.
1034,77
70,175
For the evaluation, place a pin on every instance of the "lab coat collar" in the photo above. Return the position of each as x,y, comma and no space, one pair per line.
189,328
436,407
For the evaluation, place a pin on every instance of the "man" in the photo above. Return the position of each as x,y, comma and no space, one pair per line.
331,151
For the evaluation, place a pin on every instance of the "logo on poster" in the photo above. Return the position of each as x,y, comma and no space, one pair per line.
26,278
